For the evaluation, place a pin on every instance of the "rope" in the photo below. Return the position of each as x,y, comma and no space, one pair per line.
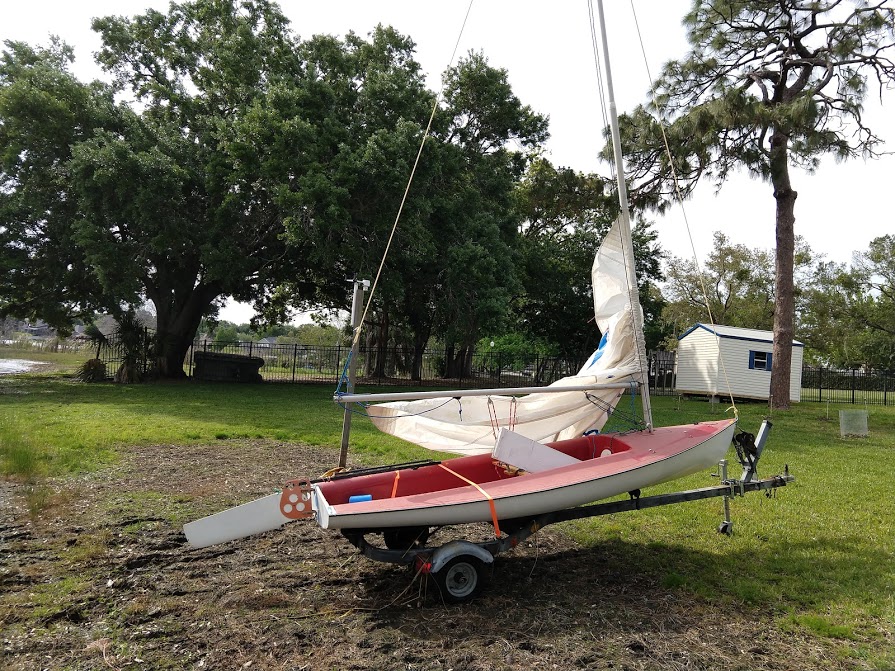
599,71
484,493
416,161
512,421
409,414
630,419
492,415
680,200
345,406
343,379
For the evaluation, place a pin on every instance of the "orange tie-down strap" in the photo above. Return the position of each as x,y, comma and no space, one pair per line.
484,493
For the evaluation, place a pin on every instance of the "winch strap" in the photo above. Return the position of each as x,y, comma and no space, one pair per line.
484,493
395,486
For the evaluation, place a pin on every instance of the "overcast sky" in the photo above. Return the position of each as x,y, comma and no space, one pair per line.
546,48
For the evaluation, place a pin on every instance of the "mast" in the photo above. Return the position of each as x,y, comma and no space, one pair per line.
625,230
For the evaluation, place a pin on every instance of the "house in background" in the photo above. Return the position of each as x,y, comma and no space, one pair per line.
708,354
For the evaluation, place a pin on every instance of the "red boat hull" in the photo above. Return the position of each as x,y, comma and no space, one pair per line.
609,464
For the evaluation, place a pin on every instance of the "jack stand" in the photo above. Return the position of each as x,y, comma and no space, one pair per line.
726,527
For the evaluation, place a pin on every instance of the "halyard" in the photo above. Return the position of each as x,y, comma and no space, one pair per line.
95,573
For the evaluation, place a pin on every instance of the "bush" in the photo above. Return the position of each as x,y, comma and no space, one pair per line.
92,370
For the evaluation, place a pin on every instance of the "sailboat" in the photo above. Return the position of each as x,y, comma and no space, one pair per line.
522,456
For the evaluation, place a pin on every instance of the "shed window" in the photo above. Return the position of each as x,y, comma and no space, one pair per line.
760,360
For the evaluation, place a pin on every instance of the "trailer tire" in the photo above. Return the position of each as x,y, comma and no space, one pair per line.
461,579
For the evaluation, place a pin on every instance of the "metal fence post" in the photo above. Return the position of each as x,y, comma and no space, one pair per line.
294,359
338,367
357,306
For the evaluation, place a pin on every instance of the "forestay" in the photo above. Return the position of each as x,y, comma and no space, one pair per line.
470,425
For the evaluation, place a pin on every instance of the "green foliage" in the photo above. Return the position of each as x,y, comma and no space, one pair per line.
224,334
564,217
44,113
142,200
849,316
450,267
512,351
135,347
739,286
315,334
725,100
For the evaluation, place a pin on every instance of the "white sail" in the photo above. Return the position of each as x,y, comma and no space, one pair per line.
470,425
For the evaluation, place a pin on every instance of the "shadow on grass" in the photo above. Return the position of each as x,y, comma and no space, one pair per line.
645,584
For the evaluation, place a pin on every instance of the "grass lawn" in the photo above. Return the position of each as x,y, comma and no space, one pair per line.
51,424
820,555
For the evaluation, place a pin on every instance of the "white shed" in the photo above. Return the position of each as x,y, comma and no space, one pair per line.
747,356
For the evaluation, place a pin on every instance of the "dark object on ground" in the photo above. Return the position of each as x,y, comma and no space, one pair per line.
220,367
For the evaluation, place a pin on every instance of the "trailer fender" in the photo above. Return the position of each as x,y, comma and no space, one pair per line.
457,548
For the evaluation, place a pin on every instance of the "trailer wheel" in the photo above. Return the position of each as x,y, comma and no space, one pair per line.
460,579
725,528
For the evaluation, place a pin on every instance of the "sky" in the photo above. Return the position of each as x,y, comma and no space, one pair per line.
546,49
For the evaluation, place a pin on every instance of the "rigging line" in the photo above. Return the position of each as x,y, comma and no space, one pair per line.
631,419
680,201
599,71
344,377
416,161
346,406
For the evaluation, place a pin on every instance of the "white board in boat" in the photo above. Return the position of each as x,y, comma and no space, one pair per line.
529,455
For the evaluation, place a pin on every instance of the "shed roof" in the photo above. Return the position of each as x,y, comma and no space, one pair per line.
736,333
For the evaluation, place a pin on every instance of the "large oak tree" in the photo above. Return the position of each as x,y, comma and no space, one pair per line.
141,191
231,159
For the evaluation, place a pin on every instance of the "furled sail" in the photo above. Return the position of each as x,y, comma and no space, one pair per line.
470,425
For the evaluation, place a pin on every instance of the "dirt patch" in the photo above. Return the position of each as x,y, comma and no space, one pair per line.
104,579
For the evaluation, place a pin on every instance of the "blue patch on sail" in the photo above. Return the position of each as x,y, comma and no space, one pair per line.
600,349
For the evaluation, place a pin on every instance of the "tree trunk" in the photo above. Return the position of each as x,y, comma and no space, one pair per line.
173,348
382,346
177,325
464,362
419,348
449,364
784,311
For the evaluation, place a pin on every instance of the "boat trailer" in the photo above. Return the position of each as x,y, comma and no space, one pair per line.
459,566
